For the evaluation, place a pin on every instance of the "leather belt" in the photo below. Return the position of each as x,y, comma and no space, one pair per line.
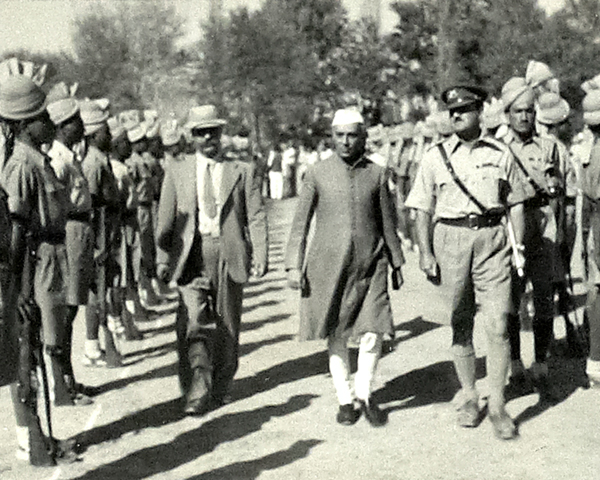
536,202
53,238
474,221
80,216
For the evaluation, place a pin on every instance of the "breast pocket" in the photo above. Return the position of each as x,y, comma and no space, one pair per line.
54,205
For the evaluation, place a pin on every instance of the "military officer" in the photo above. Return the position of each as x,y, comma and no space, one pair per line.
471,252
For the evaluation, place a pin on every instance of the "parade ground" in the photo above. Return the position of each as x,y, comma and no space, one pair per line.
281,422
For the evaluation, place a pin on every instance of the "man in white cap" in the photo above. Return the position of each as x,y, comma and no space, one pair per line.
465,185
343,276
211,235
64,113
105,201
590,179
537,158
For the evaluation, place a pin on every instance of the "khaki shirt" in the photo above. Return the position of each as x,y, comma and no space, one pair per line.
101,181
590,178
540,157
141,176
485,167
34,192
70,174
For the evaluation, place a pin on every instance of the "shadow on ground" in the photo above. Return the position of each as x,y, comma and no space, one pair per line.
190,444
251,469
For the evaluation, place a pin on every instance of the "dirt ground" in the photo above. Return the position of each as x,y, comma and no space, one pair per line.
281,423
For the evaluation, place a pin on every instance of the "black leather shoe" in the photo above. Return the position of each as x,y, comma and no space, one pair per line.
504,427
347,415
197,407
375,416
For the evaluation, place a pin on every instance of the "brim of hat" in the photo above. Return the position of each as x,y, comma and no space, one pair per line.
136,136
553,115
462,104
591,118
64,118
211,124
23,116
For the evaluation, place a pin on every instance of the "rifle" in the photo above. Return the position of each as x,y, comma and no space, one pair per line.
43,451
113,357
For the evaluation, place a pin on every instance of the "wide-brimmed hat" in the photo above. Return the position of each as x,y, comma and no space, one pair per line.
537,73
204,116
21,98
459,96
551,109
61,104
94,114
513,89
591,108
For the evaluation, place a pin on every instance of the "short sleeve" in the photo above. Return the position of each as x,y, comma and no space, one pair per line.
20,185
517,191
422,195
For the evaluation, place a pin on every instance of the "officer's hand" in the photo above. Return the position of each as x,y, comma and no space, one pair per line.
258,270
294,277
162,272
397,278
428,264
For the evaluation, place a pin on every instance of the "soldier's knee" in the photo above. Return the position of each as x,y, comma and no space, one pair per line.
466,350
370,342
496,328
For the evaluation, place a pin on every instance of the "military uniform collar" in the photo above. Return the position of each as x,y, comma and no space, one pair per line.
512,137
38,157
454,141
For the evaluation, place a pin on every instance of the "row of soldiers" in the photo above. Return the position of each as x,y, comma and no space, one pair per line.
80,192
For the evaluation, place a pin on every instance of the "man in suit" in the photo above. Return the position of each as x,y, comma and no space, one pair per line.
211,234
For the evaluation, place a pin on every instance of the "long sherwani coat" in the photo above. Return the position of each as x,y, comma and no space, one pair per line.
344,281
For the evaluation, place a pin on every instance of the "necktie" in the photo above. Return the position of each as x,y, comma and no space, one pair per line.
208,195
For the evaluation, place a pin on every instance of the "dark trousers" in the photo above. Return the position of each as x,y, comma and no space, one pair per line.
208,323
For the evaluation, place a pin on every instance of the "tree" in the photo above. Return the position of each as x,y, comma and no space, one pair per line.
123,51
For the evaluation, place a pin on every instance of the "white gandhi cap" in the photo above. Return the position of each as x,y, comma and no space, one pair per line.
347,117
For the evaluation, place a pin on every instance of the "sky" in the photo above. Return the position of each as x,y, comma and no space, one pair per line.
45,25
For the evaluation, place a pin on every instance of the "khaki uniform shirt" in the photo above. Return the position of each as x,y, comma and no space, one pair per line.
141,175
486,168
540,157
70,174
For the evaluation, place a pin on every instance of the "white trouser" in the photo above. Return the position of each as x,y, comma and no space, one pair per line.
276,185
369,352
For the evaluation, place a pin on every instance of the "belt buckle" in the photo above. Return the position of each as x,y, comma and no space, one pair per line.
473,221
